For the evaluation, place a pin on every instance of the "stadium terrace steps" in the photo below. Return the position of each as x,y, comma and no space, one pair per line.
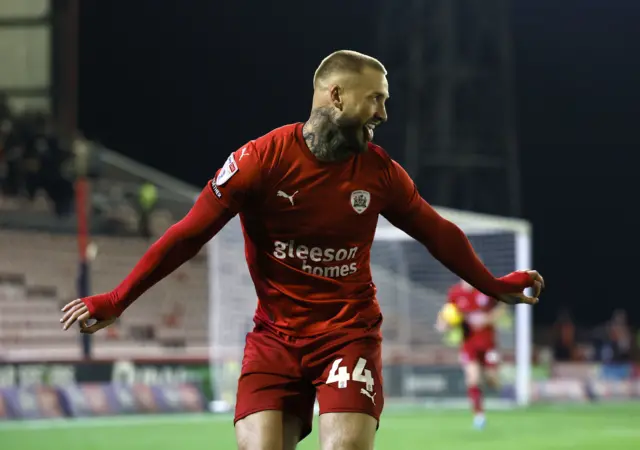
38,273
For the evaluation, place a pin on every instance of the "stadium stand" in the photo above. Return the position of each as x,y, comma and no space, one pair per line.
39,250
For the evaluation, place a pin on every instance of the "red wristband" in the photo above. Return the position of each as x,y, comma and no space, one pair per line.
101,306
518,280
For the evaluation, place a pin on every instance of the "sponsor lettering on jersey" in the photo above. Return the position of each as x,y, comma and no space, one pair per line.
216,191
310,255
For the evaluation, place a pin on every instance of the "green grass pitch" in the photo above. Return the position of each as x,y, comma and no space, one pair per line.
585,427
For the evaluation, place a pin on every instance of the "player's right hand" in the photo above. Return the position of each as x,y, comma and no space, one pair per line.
534,281
77,311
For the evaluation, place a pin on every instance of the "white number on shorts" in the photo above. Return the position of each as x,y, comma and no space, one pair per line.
492,357
363,375
341,376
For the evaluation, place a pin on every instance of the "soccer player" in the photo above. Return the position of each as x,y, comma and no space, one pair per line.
309,195
479,353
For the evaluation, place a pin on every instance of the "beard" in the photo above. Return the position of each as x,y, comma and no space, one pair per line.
351,131
334,138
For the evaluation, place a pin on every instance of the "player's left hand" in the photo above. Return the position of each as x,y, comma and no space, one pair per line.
536,283
77,311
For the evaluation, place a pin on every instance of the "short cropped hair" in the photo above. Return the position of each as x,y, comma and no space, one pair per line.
348,61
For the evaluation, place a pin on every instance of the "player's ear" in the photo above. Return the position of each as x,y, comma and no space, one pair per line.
336,94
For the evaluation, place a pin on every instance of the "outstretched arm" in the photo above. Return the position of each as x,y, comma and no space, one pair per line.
446,241
179,244
218,202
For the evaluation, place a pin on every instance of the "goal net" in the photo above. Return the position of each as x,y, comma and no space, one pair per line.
419,363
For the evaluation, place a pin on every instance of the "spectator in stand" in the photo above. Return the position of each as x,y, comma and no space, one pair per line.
56,175
620,336
5,131
147,199
31,158
5,109
6,128
36,146
564,337
11,152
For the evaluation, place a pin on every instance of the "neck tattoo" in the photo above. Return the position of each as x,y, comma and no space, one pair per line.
323,137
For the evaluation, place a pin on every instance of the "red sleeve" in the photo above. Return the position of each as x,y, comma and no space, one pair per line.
224,196
408,211
238,180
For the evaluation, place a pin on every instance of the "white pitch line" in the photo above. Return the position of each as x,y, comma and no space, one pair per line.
116,421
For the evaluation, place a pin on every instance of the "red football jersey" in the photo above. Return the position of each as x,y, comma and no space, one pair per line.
309,226
475,307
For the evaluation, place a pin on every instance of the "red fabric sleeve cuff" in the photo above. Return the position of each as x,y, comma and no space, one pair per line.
102,306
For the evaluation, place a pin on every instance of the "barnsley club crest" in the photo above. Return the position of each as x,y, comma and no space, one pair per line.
360,201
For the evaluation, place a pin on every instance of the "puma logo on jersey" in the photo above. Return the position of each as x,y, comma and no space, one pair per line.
243,154
289,197
368,394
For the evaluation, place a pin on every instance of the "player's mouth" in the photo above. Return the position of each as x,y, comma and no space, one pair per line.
368,131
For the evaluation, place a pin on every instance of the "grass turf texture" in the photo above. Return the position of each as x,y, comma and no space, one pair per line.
597,427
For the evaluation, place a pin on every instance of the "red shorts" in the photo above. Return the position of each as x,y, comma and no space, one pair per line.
343,368
484,353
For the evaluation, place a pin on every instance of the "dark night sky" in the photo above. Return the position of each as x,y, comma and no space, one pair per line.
179,87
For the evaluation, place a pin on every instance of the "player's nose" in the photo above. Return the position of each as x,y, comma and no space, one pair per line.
381,114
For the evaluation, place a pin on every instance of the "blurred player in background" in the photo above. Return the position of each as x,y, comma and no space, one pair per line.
309,196
480,315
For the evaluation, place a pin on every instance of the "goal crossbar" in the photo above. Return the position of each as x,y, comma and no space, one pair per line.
477,223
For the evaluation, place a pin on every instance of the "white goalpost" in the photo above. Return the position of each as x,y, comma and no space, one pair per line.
417,290
412,287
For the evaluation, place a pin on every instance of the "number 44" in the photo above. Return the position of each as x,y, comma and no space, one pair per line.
340,374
